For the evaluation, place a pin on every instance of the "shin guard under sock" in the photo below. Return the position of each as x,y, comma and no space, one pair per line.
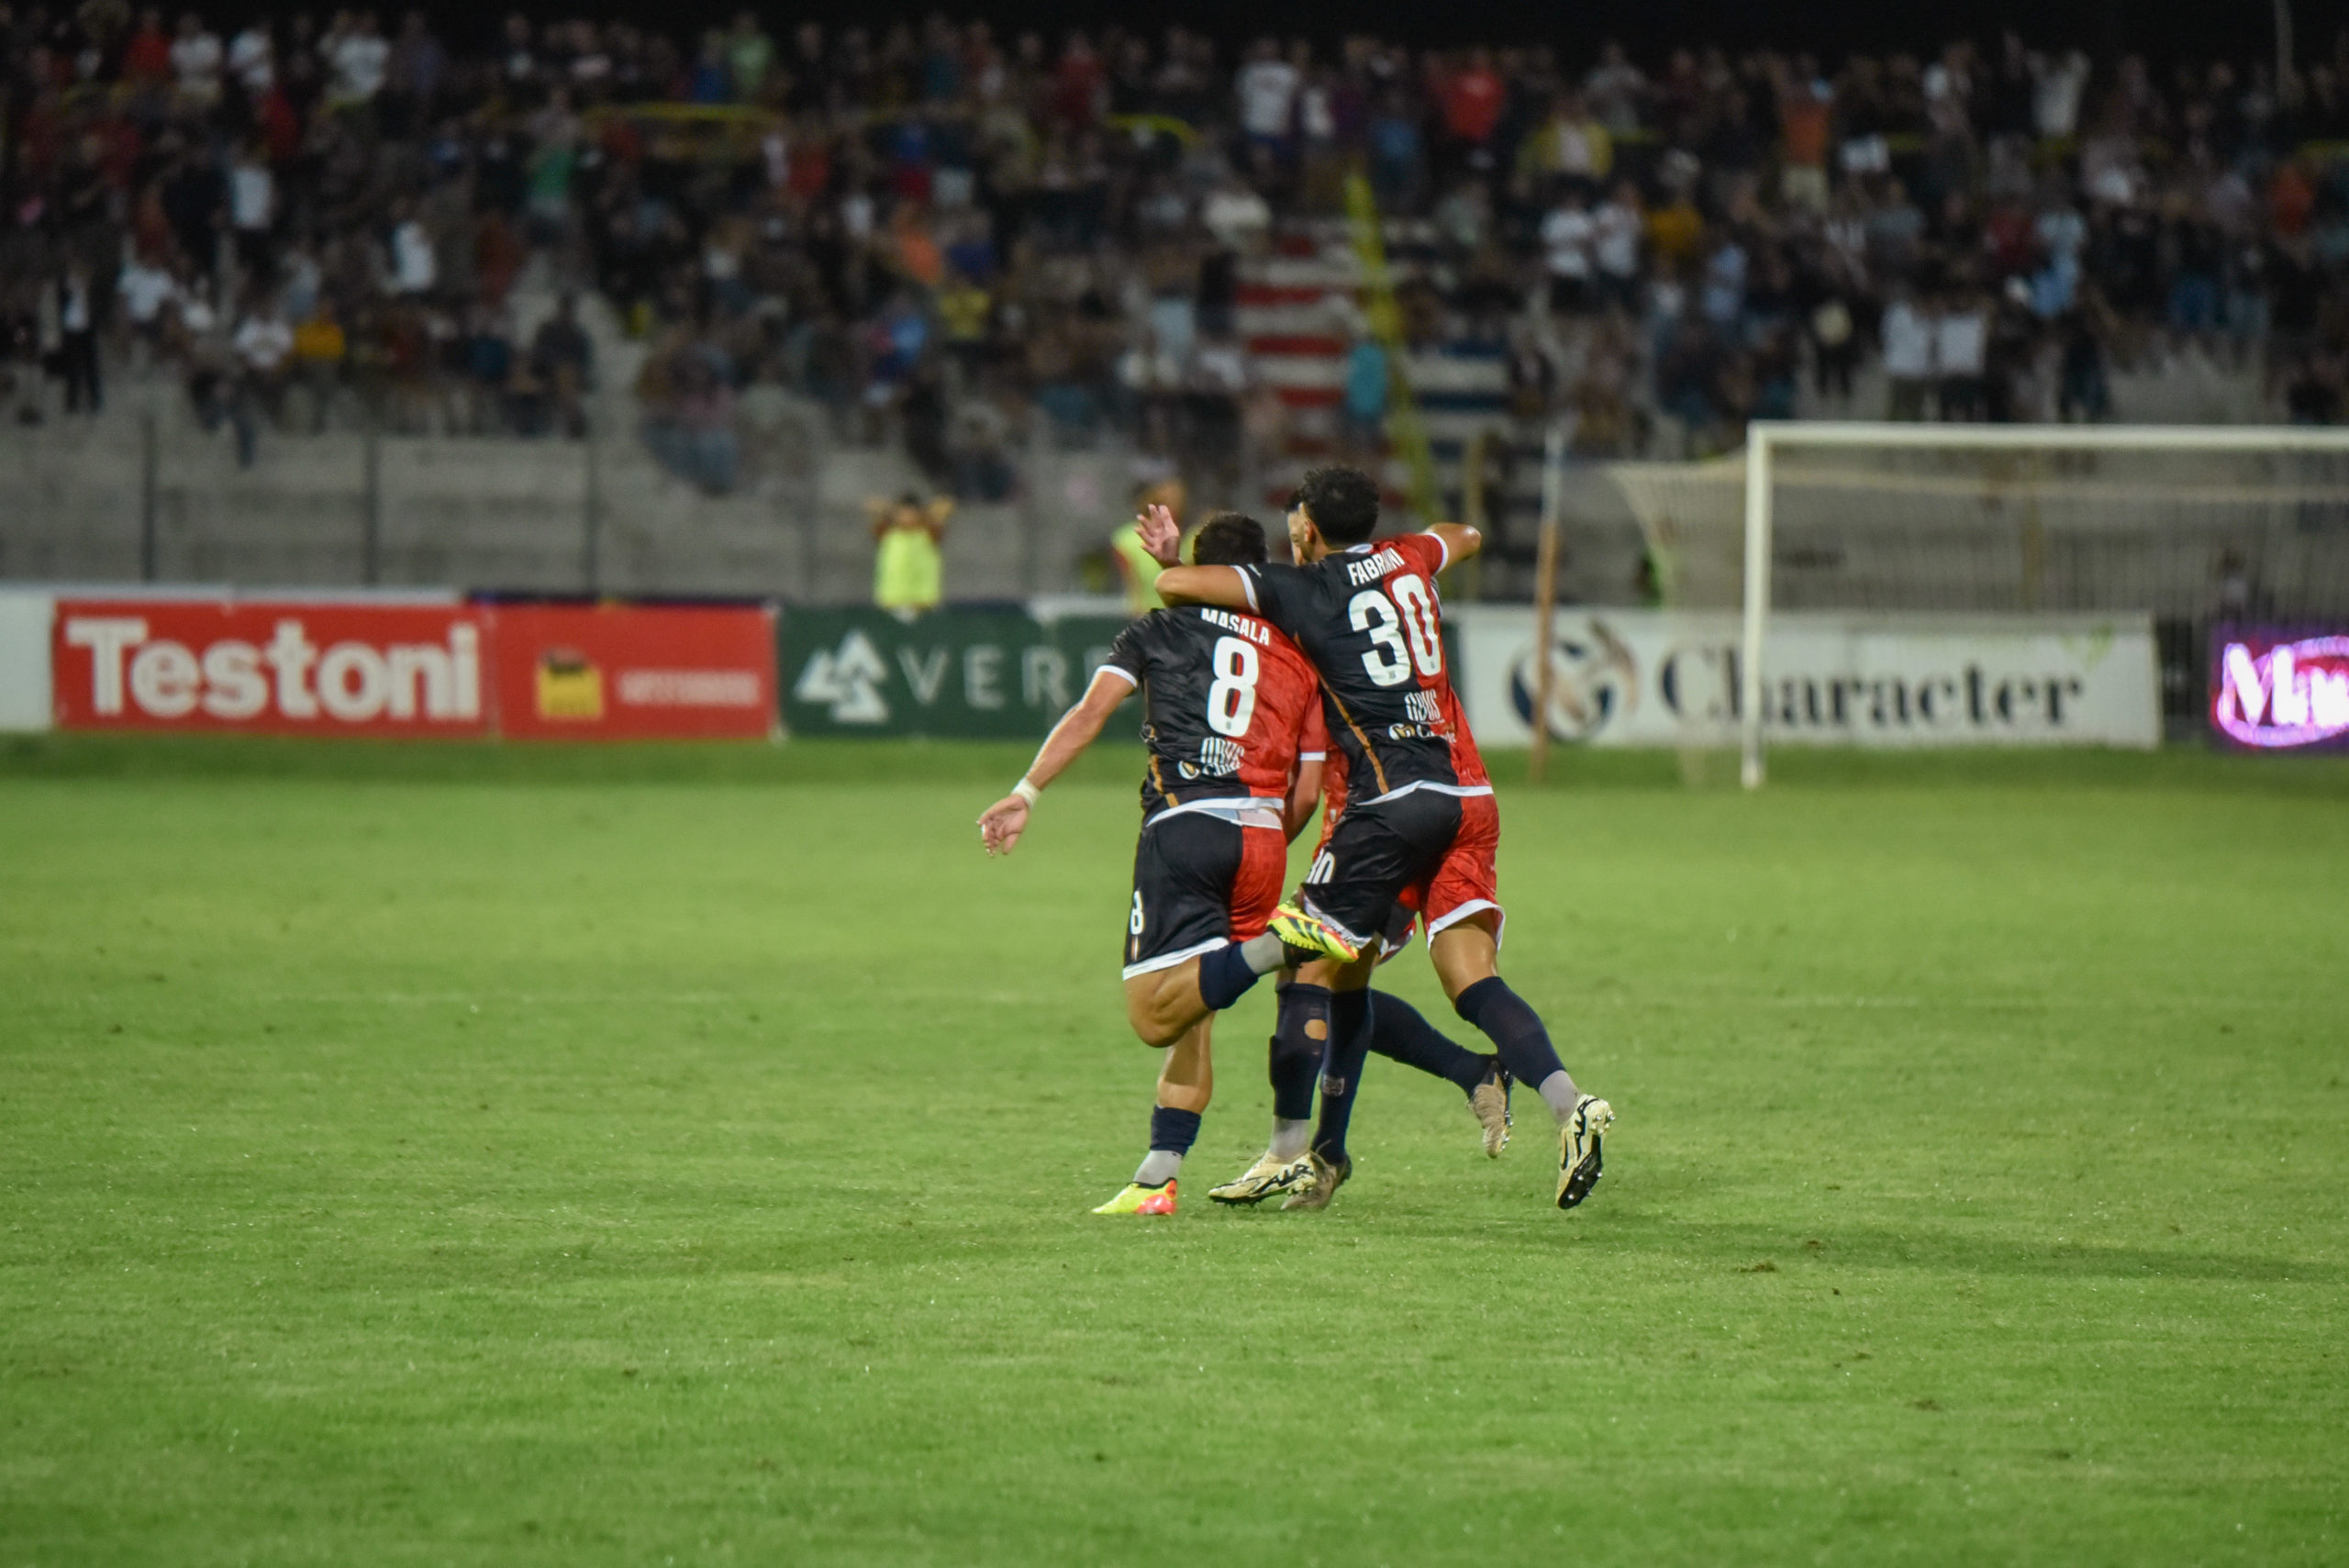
1341,1068
1299,1027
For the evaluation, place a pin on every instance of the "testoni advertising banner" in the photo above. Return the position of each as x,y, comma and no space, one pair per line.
999,674
1669,678
2279,688
285,669
631,671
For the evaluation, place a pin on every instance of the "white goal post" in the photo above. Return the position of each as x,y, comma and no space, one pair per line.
1768,439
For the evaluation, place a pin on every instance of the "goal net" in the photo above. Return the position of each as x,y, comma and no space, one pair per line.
2182,527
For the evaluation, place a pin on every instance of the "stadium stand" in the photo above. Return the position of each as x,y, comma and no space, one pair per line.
967,249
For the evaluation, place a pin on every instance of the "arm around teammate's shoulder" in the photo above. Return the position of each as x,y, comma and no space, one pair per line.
1206,585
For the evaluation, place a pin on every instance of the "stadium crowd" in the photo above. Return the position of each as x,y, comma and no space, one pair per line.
954,238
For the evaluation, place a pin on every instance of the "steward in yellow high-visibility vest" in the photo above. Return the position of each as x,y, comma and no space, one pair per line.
1136,570
908,571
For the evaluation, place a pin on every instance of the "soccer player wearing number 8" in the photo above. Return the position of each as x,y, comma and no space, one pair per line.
1227,699
1420,829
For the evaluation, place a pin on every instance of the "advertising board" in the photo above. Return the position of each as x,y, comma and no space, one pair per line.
285,669
24,659
634,672
1664,678
999,674
2280,688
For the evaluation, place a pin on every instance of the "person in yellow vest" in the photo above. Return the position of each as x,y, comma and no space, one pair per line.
908,573
1136,570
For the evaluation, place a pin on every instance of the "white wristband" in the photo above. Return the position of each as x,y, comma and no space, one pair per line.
1026,792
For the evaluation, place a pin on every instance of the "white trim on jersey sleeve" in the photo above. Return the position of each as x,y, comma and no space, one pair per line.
1248,586
1313,756
1126,675
1440,546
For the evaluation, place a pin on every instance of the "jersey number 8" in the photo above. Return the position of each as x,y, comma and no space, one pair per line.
1387,661
1231,696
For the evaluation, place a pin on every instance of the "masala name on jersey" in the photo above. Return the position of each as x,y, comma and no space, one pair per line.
1224,698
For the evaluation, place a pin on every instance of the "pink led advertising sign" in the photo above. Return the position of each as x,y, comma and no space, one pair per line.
2274,690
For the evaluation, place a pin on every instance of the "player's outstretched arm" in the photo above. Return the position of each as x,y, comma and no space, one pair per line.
1001,824
1460,540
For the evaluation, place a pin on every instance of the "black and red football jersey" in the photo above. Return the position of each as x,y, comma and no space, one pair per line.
1225,699
1369,619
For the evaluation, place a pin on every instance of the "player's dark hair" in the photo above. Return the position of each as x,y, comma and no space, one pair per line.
1230,539
1341,501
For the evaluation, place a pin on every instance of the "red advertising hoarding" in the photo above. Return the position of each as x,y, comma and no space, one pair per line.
615,671
283,669
634,673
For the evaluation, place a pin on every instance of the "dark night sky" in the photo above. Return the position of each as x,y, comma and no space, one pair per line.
2237,30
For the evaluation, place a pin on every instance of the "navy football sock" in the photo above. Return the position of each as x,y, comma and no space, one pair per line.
1524,1045
1224,976
1342,1069
1299,1027
1172,1133
1400,1031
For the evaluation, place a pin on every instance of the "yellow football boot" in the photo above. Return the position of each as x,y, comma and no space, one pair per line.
1139,1199
1293,925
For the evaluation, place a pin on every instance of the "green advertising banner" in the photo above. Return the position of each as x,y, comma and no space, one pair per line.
964,674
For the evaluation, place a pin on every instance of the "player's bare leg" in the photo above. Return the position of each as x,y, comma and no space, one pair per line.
1465,957
1164,1003
1185,1084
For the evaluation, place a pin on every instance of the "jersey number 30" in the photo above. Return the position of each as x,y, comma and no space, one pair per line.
1231,696
1374,611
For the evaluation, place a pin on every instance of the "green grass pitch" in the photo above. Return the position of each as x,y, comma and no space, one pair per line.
682,1156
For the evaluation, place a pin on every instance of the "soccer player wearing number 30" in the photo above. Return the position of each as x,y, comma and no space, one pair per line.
1419,830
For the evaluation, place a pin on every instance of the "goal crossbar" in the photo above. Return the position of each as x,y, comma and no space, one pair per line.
1765,438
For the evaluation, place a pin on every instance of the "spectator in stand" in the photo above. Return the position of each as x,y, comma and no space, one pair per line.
196,59
2084,393
1961,348
147,57
1367,391
149,295
263,345
1474,98
1568,235
362,60
1806,102
562,357
1267,88
1834,346
319,348
252,213
1616,231
1910,365
77,351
